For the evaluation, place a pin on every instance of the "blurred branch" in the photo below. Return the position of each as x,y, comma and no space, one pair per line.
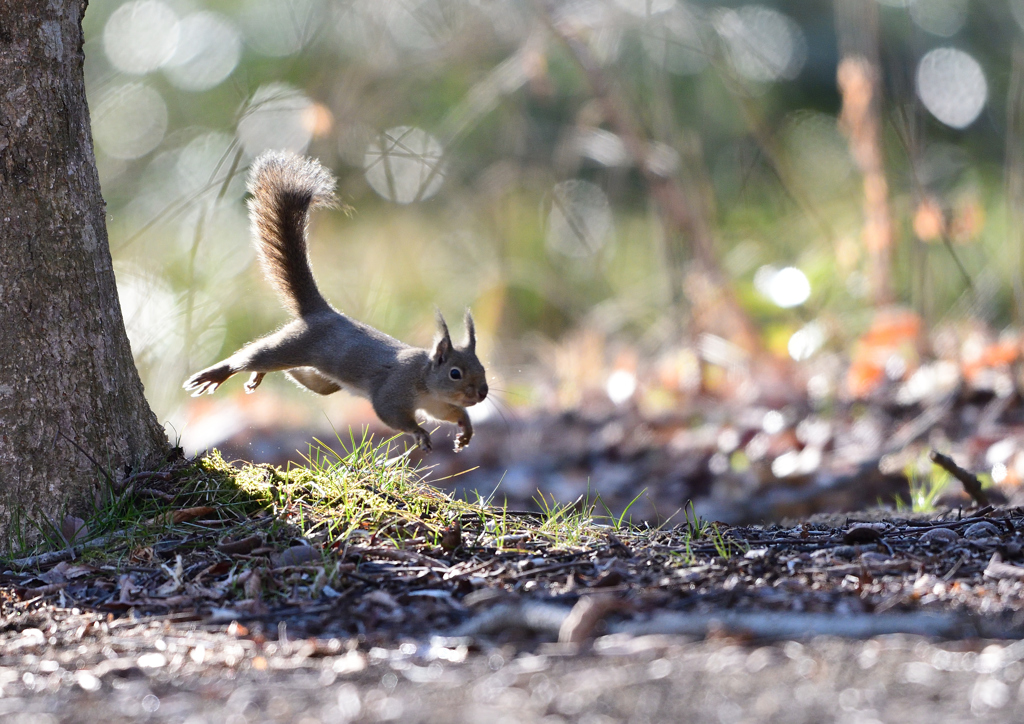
1013,181
859,77
706,286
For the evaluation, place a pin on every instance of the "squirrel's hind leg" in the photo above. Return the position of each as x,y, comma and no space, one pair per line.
282,350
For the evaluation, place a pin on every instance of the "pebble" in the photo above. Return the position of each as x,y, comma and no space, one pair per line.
981,529
940,536
864,533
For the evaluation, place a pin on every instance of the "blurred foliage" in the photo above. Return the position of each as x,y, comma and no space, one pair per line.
484,173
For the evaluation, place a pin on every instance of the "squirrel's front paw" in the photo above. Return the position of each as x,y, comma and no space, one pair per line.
423,441
462,440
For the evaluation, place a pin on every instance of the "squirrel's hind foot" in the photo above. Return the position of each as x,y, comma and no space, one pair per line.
207,381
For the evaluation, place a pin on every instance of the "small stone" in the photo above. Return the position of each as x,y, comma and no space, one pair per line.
865,533
940,537
981,529
297,556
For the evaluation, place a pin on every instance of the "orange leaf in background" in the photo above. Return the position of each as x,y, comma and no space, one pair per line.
863,377
892,331
1000,354
892,328
929,221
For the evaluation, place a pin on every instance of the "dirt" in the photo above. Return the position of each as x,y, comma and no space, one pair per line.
163,672
536,632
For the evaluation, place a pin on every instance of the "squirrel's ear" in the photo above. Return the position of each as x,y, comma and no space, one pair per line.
444,344
470,332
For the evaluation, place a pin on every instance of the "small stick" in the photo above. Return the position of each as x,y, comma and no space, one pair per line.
42,560
970,482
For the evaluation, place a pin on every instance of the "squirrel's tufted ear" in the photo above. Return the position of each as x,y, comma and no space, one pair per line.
470,332
443,346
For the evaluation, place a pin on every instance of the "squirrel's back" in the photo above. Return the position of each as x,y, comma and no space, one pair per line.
284,188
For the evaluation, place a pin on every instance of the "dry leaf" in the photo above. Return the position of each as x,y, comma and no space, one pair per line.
181,516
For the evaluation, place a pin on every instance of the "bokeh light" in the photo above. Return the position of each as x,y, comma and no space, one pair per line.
763,44
129,121
620,386
944,18
361,31
203,163
280,29
580,219
278,117
424,24
788,287
952,86
673,41
162,335
601,146
645,8
140,37
806,341
595,21
209,47
404,164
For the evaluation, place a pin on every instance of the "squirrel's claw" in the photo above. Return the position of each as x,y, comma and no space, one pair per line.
254,381
423,441
207,381
201,387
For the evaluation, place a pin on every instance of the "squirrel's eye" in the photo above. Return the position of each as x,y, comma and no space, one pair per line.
455,374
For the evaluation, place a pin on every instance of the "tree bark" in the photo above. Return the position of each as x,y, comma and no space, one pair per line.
66,369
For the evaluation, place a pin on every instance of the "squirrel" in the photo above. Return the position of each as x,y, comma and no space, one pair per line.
321,348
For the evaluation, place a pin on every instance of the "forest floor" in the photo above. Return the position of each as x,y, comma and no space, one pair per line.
327,595
634,565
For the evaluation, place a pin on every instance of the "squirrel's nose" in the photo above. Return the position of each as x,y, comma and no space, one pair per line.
483,391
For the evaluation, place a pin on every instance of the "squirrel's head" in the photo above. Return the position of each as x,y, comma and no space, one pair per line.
456,374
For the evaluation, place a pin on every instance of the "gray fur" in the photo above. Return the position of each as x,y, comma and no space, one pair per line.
324,350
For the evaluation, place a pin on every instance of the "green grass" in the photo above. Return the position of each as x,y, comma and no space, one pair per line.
925,487
363,489
365,495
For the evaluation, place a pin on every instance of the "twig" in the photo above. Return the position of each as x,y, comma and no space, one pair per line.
50,557
970,482
999,570
778,625
153,493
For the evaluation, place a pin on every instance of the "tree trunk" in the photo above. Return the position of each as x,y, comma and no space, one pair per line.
66,369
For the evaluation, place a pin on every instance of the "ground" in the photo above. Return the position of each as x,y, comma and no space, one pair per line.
163,672
354,591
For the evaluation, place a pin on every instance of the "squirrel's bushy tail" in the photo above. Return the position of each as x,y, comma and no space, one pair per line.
284,188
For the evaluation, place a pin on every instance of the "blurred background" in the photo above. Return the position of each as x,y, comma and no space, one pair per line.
715,251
